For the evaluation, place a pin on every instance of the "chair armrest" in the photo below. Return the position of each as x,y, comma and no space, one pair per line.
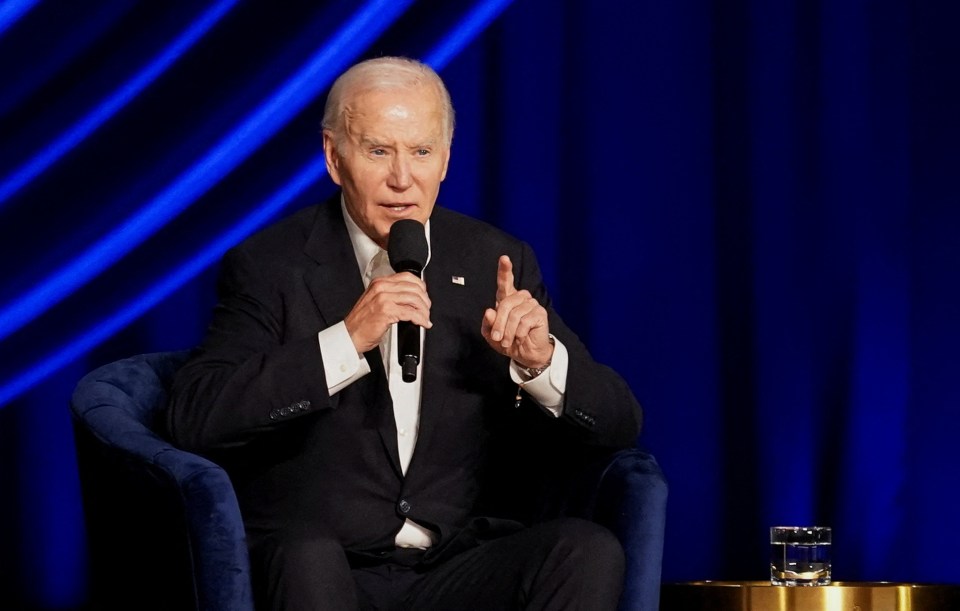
632,502
164,525
214,525
627,493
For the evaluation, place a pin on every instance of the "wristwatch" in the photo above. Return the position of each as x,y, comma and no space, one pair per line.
532,372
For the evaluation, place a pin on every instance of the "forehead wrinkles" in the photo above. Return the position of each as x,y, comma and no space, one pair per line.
418,126
359,100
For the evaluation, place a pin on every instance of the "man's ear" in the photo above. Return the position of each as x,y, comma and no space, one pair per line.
331,156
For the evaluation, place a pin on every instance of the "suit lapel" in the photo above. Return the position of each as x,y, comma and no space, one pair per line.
335,284
444,262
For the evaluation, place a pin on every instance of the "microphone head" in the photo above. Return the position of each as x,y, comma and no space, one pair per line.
407,246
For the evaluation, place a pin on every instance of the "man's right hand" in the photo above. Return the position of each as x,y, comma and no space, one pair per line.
387,300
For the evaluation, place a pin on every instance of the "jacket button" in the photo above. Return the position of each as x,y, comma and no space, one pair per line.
284,411
274,414
404,506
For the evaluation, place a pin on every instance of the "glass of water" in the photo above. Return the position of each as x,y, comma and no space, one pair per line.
800,555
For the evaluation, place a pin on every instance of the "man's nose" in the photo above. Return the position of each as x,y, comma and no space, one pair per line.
400,176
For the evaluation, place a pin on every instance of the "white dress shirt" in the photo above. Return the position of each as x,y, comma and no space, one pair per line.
342,366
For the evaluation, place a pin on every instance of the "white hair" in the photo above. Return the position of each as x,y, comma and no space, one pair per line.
383,73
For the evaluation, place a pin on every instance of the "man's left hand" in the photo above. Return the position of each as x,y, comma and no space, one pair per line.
518,327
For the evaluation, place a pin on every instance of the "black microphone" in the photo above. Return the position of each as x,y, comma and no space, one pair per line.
408,251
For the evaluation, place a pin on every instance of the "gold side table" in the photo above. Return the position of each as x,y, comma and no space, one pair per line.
839,596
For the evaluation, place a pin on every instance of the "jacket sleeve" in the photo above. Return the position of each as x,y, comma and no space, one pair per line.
598,404
246,378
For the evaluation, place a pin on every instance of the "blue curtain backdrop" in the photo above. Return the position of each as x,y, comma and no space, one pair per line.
750,208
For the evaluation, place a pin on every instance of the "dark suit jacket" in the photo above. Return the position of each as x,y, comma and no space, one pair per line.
254,397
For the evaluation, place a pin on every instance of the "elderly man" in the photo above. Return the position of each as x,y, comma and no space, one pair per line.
360,489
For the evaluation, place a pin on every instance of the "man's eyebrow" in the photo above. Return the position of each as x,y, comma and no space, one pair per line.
430,143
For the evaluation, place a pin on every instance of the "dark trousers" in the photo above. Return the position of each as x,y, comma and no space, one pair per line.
562,564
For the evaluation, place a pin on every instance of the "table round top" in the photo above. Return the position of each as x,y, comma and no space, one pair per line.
838,596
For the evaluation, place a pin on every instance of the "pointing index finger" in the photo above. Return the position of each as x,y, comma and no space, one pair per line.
505,286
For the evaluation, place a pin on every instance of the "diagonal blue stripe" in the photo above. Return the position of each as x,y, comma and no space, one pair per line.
476,21
312,78
102,113
458,38
307,176
12,10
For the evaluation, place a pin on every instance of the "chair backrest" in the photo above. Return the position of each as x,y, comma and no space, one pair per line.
163,526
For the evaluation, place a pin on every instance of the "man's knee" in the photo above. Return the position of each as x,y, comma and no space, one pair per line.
590,544
584,568
297,569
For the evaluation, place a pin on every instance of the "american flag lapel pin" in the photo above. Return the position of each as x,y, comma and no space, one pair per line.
457,280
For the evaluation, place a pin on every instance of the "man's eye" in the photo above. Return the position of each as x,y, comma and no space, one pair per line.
378,152
423,152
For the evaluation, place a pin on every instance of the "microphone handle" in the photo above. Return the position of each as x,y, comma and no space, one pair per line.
408,349
409,368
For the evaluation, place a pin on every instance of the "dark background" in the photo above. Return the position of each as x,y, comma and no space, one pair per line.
749,208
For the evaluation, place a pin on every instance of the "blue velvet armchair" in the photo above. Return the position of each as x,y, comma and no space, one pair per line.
165,531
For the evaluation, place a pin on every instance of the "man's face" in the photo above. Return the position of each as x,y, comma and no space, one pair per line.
392,158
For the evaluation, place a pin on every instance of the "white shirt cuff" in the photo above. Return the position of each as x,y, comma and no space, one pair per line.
548,388
341,363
